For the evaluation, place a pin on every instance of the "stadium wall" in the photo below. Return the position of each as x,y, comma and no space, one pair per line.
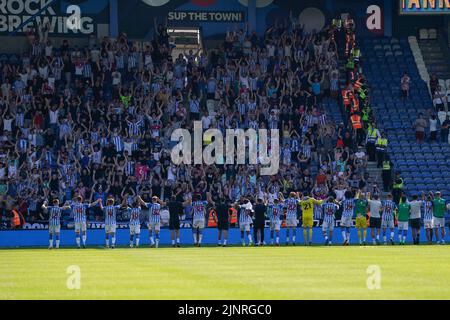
39,238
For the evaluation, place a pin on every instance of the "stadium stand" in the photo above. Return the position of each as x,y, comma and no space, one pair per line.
424,167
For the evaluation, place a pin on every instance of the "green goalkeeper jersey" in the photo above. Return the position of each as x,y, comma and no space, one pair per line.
403,211
361,207
439,208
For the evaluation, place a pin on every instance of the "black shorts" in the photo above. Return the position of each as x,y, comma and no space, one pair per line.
174,225
223,225
415,223
375,222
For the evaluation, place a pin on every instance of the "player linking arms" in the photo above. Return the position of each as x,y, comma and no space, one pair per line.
79,213
110,212
154,218
54,221
307,204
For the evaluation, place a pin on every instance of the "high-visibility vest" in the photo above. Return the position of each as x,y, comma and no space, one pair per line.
355,104
362,94
382,143
386,165
16,218
398,185
358,84
356,121
372,134
337,23
356,53
365,115
350,64
211,221
233,214
346,97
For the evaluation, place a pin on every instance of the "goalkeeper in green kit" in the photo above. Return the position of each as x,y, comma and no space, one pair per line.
403,213
439,217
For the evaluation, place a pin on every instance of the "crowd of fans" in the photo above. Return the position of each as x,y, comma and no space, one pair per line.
97,120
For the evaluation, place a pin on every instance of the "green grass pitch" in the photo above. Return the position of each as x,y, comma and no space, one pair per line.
407,272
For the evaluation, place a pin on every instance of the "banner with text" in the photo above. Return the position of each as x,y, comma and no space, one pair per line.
207,16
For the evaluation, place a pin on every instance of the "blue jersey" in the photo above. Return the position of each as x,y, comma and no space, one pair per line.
79,211
427,210
199,210
348,207
135,214
291,208
154,212
54,216
110,214
329,210
276,211
388,210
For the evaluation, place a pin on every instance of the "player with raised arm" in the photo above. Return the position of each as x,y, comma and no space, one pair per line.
375,217
387,220
154,218
291,205
403,214
135,220
348,209
439,217
329,210
110,212
414,218
79,214
428,217
361,205
275,212
307,204
198,217
245,211
54,221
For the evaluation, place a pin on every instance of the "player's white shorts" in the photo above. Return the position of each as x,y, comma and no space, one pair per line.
387,224
438,222
291,222
80,226
54,229
155,226
327,226
403,225
110,228
244,227
346,222
275,225
135,229
428,224
199,223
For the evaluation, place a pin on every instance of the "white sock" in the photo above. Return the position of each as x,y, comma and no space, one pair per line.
348,236
344,235
277,240
137,241
219,242
225,241
57,243
200,238
384,238
152,240
392,235
84,239
293,238
249,238
131,243
107,242
50,243
195,238
378,237
173,241
78,241
113,240
178,240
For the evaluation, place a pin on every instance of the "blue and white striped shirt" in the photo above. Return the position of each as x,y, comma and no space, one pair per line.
54,216
276,210
291,208
79,211
154,212
135,214
427,210
110,214
329,210
348,206
388,210
199,210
